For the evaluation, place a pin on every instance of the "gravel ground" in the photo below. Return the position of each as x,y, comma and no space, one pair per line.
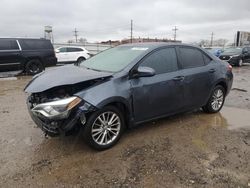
187,150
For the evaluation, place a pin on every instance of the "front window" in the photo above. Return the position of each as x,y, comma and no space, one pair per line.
114,59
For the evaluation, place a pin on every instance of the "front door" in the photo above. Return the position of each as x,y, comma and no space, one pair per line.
62,55
162,93
246,55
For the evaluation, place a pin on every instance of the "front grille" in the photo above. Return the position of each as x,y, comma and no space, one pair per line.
224,57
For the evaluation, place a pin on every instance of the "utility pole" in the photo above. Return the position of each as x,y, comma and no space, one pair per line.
76,34
131,31
212,39
175,32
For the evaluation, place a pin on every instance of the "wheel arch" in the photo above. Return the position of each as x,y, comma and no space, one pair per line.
120,103
223,84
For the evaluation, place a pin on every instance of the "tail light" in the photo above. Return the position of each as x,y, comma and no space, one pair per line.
229,67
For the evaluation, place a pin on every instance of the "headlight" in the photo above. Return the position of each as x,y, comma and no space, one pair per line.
57,109
234,56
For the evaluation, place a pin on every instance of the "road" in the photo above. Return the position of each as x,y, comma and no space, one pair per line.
192,149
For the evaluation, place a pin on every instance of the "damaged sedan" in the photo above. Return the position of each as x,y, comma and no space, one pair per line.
126,86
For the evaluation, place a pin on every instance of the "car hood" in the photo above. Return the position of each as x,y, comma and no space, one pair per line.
229,54
64,75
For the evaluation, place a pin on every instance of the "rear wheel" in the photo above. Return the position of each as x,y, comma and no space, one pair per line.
104,128
216,100
79,60
34,66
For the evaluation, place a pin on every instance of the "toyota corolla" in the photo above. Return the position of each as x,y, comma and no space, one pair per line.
126,86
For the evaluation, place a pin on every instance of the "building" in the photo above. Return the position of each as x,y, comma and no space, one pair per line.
242,38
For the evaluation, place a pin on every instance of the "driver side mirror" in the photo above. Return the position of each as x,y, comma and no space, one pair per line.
143,72
57,51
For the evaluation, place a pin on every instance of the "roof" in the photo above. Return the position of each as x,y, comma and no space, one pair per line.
153,45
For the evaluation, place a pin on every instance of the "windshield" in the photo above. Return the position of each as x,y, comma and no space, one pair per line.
114,59
233,50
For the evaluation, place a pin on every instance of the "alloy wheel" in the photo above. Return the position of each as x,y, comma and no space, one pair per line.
240,62
106,128
217,99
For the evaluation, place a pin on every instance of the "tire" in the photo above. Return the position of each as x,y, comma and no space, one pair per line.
104,138
34,66
79,60
240,63
216,100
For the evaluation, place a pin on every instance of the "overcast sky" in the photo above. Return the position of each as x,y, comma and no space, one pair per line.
99,20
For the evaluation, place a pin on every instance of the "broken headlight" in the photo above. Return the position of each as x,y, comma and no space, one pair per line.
59,109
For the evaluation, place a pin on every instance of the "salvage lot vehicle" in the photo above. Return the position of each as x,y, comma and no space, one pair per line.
29,55
215,51
69,54
236,56
125,86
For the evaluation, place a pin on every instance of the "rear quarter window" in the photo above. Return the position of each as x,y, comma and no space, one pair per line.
206,58
8,44
191,57
35,44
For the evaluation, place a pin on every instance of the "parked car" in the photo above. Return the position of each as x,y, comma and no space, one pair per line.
29,55
215,51
236,56
72,54
126,86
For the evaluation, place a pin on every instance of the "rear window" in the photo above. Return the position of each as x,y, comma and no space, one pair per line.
35,44
74,49
8,44
191,57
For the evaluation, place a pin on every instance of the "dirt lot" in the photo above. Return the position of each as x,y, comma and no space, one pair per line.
188,150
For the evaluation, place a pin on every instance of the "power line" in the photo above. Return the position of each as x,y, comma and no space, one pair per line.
212,39
131,31
175,29
76,34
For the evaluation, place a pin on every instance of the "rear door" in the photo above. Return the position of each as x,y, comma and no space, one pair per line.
74,53
161,94
10,55
198,76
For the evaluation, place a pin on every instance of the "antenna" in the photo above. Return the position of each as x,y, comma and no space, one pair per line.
175,29
131,31
76,34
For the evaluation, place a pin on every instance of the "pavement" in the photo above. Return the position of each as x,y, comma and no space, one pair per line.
187,150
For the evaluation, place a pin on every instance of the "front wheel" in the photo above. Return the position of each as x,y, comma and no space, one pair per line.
240,63
216,100
104,128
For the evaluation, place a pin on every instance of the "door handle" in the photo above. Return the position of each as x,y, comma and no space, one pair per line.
211,70
178,78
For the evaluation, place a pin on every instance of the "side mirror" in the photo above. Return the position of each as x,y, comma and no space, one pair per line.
57,51
143,72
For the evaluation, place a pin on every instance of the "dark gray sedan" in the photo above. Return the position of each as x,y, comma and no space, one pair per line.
125,86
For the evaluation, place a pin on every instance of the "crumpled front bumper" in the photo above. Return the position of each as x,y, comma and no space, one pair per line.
58,127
